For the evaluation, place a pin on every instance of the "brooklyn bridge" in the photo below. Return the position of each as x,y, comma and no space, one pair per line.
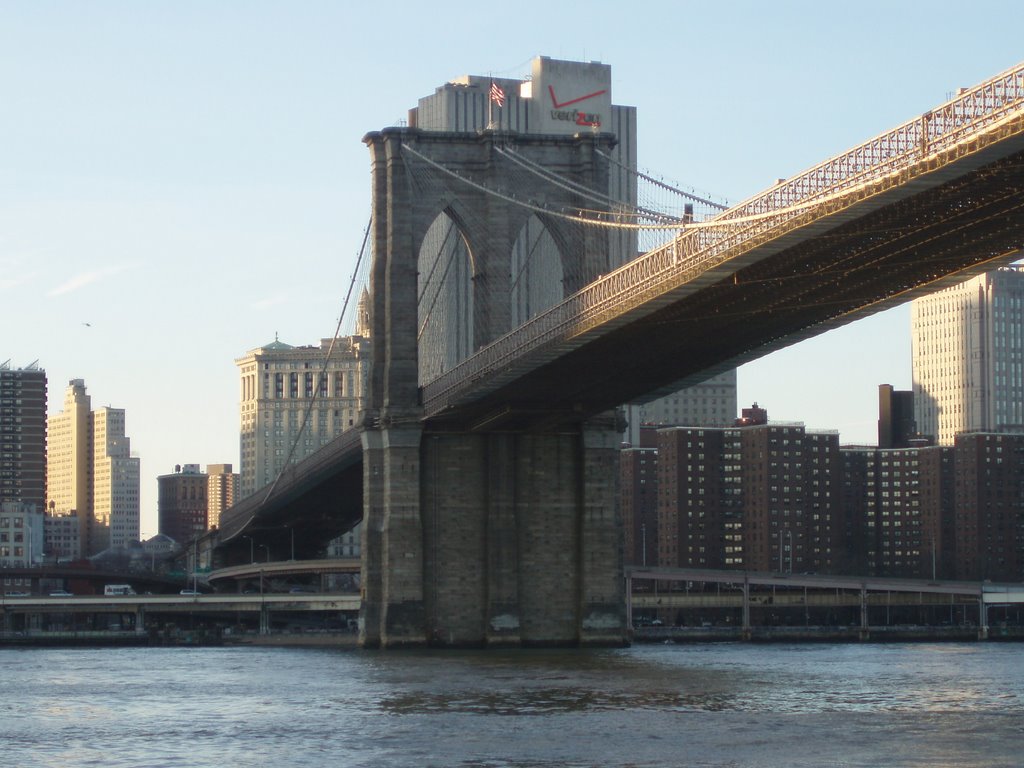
518,297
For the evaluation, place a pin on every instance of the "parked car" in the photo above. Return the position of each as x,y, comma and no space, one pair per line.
60,593
190,592
16,594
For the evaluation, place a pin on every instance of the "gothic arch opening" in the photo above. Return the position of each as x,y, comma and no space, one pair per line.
445,299
537,278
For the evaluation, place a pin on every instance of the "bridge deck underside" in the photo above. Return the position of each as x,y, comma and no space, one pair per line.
806,285
319,499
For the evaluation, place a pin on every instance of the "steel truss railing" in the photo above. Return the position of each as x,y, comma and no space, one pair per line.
977,117
970,112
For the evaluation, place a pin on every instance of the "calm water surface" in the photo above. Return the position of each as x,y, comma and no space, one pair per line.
663,705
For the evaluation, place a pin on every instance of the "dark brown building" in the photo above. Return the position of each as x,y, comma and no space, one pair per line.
638,488
896,425
790,496
759,497
23,435
182,503
700,502
989,514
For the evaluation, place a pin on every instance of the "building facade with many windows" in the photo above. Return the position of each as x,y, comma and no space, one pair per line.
91,473
222,485
21,534
968,356
638,499
182,508
115,479
23,435
295,400
989,512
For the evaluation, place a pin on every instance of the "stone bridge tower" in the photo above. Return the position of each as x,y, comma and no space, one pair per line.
470,536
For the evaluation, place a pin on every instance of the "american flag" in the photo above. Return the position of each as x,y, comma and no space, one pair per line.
497,95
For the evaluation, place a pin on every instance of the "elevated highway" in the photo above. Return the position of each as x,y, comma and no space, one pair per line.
286,568
98,619
748,590
212,603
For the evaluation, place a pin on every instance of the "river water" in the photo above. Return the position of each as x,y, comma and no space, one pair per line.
733,705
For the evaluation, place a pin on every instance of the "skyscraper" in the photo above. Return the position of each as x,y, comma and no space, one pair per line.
222,485
23,435
968,356
115,478
67,469
91,472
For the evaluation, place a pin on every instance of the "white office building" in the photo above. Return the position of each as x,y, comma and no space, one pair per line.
295,400
968,356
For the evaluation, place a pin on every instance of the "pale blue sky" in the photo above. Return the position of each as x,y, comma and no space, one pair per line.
189,178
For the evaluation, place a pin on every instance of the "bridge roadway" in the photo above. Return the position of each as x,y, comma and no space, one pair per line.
920,207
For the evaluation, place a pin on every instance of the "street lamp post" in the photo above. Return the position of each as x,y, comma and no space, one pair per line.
643,543
789,535
266,547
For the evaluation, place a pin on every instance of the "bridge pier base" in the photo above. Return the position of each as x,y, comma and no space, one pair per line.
392,539
511,540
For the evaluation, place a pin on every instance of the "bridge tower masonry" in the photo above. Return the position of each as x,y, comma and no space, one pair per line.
480,534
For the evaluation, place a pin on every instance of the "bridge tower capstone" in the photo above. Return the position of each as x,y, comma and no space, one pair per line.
473,536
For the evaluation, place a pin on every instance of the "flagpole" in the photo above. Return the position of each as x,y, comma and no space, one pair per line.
494,94
490,103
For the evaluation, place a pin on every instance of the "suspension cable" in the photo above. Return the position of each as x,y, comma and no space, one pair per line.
444,276
658,183
323,370
575,187
579,217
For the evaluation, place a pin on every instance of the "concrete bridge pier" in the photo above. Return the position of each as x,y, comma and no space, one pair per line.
497,539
